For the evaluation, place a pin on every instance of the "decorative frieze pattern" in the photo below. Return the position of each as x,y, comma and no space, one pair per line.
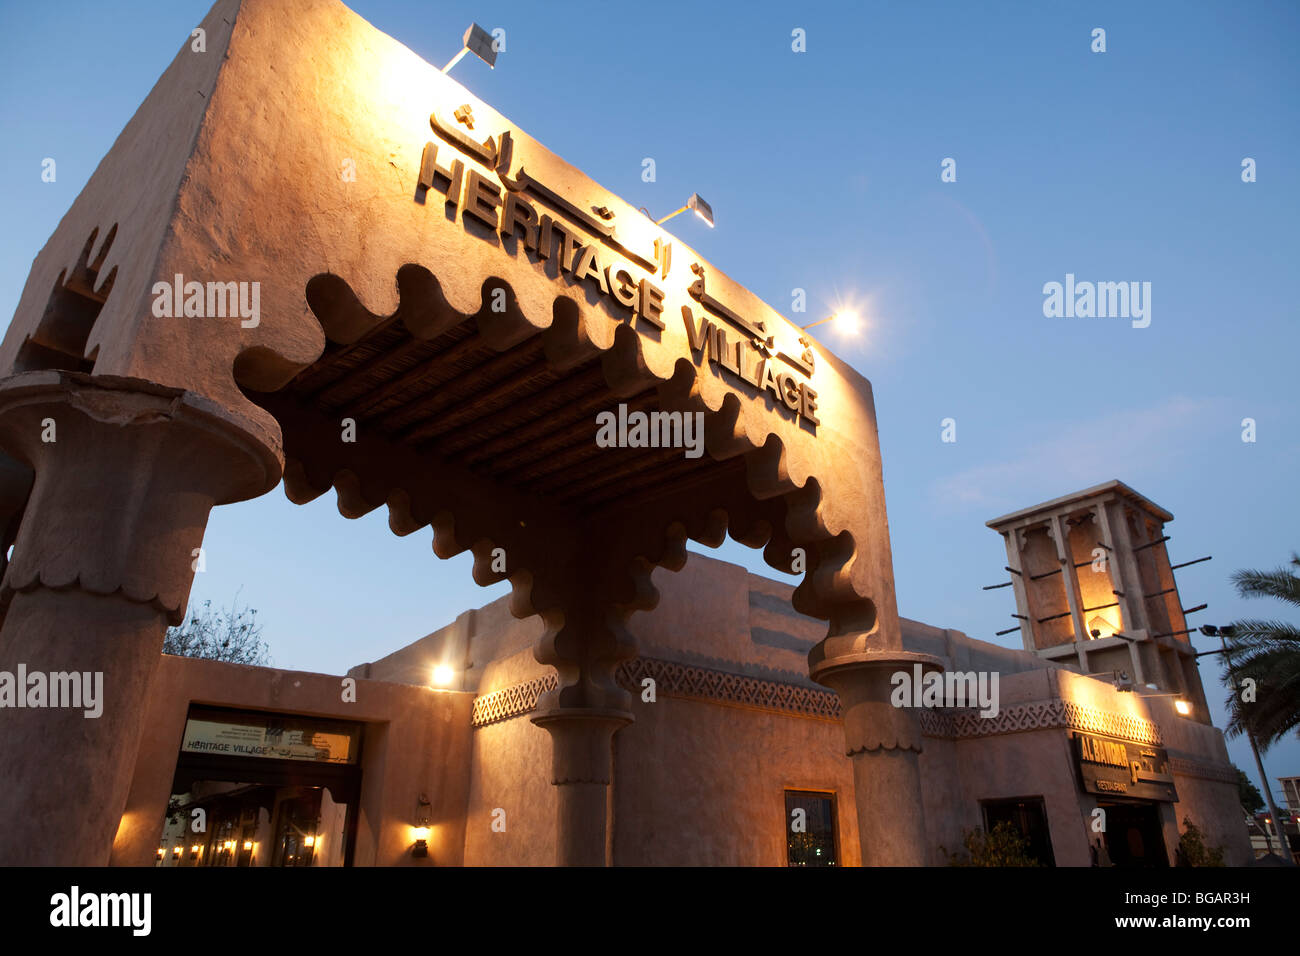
1038,715
703,683
673,679
1092,720
513,701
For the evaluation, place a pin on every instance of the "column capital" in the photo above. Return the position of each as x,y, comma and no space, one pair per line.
863,678
126,472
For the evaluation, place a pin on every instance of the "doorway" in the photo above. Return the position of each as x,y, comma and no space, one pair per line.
262,789
1134,836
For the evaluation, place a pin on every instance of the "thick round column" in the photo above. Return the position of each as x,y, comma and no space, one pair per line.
126,473
884,744
585,644
581,768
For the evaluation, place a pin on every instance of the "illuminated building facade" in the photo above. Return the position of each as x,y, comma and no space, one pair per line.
347,273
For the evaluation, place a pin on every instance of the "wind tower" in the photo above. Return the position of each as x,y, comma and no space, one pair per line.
1095,590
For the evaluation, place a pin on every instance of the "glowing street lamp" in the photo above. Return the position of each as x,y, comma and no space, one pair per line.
696,205
479,42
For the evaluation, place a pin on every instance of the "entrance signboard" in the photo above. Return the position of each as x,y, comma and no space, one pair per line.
273,736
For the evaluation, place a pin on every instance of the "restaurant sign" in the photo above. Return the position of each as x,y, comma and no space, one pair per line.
1120,768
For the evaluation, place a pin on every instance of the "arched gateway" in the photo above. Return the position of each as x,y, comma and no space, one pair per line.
312,255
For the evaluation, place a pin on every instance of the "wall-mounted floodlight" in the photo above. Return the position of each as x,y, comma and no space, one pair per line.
848,321
696,205
479,42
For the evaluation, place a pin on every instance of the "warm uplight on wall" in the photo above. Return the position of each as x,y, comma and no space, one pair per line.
479,42
248,844
176,851
443,675
697,206
309,841
848,321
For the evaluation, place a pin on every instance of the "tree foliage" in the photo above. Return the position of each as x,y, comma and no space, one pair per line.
1252,801
219,634
1265,653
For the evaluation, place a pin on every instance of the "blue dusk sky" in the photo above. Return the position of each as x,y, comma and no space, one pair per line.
823,169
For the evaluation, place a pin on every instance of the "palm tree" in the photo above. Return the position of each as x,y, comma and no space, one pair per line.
1267,652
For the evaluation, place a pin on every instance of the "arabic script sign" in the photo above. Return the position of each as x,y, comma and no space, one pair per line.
586,246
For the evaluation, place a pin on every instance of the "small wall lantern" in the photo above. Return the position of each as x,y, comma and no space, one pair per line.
420,832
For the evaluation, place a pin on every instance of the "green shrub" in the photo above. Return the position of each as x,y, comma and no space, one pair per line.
1003,846
1192,850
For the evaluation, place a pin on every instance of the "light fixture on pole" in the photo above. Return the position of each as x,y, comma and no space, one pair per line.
696,205
479,42
848,320
1181,704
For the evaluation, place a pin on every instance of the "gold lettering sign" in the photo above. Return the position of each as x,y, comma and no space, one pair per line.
589,250
1108,752
1110,766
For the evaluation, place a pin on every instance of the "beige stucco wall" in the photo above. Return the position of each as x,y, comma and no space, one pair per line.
510,772
702,784
416,740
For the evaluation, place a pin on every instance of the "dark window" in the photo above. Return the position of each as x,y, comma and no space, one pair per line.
810,828
1028,816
